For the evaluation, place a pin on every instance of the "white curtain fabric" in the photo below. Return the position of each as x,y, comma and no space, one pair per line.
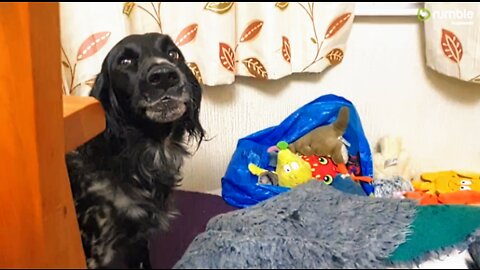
220,40
452,37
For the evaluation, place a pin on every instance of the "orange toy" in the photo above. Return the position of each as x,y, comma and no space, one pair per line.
446,187
468,197
447,182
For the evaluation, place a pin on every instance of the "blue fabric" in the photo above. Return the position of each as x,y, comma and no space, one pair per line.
347,185
239,186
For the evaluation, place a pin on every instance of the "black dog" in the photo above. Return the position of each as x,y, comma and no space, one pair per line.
121,180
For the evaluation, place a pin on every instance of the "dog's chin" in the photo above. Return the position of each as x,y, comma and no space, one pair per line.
166,112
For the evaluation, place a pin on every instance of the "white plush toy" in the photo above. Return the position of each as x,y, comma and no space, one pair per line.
392,160
392,174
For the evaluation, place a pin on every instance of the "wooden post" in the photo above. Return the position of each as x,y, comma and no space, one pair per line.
38,227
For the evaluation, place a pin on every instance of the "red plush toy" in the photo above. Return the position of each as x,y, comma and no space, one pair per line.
324,168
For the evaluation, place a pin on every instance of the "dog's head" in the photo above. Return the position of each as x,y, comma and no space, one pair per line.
145,81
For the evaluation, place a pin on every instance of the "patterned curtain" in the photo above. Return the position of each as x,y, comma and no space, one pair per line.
220,40
452,36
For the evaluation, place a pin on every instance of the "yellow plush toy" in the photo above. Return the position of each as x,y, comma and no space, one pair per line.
291,169
447,182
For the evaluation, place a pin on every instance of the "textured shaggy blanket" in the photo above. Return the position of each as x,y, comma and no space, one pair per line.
317,226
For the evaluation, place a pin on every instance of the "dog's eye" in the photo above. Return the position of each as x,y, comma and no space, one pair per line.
126,62
174,54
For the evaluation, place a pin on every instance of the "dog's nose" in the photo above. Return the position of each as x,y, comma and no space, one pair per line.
164,77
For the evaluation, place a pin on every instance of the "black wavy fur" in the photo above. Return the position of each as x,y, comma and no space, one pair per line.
121,180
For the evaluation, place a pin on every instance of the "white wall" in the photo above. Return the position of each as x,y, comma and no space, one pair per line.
383,74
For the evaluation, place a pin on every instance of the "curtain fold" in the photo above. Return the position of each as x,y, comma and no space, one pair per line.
220,40
452,39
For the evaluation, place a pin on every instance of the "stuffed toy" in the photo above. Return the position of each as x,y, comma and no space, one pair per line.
447,182
291,170
323,168
392,173
326,141
446,187
392,160
323,148
467,197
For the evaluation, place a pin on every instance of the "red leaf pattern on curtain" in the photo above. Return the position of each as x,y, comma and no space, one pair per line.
335,56
227,56
244,48
451,45
251,31
92,44
286,49
187,35
255,67
337,24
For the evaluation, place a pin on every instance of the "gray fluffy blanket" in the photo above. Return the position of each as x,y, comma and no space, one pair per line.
311,226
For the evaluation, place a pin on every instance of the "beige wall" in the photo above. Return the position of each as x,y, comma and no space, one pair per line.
383,74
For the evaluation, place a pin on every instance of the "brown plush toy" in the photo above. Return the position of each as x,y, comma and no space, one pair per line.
325,140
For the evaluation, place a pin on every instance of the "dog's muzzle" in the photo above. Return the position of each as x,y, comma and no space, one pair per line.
164,95
163,76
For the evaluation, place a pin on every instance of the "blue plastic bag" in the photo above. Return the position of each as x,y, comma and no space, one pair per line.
239,186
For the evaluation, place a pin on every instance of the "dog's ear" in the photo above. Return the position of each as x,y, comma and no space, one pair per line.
104,93
102,84
192,124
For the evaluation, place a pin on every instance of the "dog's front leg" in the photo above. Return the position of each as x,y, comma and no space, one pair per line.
138,255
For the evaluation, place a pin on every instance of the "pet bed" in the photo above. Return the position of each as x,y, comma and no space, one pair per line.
316,226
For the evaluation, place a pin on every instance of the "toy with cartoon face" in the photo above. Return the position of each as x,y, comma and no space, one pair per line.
291,169
323,168
447,182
